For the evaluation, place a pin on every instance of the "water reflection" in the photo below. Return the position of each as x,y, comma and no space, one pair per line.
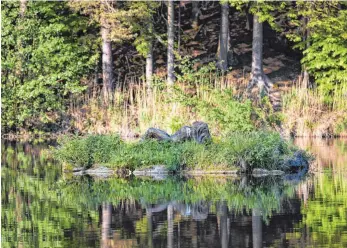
43,208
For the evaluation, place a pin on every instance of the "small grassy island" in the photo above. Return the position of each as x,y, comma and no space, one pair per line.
237,152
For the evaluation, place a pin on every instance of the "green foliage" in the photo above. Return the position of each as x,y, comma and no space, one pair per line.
256,149
224,110
267,11
89,150
142,24
319,28
44,56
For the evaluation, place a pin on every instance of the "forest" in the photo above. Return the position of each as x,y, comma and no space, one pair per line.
124,66
173,123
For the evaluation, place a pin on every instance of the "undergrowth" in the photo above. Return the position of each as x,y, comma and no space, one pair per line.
255,149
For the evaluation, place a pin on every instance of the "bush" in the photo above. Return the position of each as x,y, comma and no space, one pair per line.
88,150
255,149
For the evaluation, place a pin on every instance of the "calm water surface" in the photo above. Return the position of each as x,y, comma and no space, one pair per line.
41,207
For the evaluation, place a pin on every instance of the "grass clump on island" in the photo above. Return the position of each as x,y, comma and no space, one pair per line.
255,149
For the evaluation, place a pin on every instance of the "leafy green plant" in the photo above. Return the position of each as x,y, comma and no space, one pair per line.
256,149
89,150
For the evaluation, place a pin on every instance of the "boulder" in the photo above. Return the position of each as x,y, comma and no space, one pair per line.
260,172
101,171
155,171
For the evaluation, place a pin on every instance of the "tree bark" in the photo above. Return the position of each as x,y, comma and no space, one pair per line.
223,38
170,47
306,76
149,66
258,76
23,7
195,14
107,64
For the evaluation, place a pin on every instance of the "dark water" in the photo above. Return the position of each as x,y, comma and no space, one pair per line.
41,207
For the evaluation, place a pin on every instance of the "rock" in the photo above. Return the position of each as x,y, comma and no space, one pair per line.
260,172
210,172
199,132
154,170
96,171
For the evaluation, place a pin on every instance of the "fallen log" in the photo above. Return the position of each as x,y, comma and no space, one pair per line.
199,132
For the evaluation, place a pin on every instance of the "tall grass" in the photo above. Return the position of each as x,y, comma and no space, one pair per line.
137,107
310,112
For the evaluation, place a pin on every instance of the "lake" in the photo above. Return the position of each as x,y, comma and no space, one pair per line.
43,207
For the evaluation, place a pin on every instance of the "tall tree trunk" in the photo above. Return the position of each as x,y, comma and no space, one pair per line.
170,47
257,228
23,7
179,29
223,38
257,75
106,224
107,64
306,76
149,66
195,14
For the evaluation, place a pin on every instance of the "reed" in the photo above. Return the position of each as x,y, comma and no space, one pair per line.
309,112
137,107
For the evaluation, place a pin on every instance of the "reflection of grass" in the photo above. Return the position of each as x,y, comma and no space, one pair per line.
265,194
37,209
34,214
255,149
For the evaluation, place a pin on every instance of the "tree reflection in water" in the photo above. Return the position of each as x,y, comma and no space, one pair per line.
43,208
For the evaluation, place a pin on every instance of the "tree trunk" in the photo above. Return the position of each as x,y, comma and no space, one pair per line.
223,38
23,7
179,29
248,22
107,64
306,77
257,75
170,47
195,14
149,66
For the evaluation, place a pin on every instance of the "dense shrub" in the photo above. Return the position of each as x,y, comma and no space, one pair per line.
88,150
